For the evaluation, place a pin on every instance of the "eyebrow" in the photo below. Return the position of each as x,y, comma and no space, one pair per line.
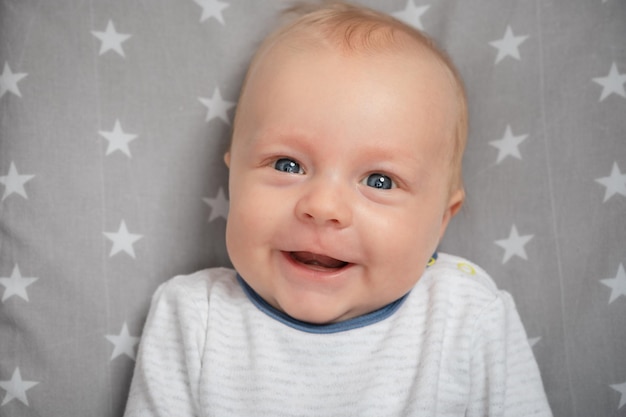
290,136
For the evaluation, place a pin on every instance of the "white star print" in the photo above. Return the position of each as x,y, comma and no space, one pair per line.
123,240
111,39
16,388
508,145
514,245
14,182
621,388
124,343
118,139
612,83
212,8
219,206
617,284
218,107
412,14
614,183
533,341
508,45
16,284
9,80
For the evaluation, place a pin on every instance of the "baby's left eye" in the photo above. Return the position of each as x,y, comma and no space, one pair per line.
288,165
380,181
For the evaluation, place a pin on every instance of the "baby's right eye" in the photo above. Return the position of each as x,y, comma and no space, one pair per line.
288,165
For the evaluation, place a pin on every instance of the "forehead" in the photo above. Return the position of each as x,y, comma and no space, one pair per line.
389,91
417,69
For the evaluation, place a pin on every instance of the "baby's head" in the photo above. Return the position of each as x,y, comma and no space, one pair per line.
355,30
345,162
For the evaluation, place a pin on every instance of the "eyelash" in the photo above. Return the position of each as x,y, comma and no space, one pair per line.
375,180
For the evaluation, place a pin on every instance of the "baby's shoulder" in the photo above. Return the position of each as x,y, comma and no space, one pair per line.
199,286
203,277
450,271
462,290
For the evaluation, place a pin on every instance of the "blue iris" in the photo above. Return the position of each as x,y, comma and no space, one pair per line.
379,181
287,165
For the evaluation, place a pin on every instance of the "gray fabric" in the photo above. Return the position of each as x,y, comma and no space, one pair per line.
74,297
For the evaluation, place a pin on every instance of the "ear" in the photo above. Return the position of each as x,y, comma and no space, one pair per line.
454,205
227,159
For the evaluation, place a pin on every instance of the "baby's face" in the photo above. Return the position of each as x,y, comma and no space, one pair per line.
339,179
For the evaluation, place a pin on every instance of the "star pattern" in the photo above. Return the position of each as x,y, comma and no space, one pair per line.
617,284
219,206
111,39
508,45
123,343
412,14
533,341
14,182
612,83
16,284
118,139
212,9
16,388
30,75
217,107
508,145
621,388
514,245
615,183
9,80
123,241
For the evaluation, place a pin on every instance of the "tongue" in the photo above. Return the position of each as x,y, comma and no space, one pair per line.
314,259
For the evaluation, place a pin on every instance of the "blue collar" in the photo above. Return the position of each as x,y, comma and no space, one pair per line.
343,326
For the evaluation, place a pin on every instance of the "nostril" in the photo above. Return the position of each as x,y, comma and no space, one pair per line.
321,218
324,207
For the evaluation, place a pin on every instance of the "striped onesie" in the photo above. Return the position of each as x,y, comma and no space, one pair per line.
453,346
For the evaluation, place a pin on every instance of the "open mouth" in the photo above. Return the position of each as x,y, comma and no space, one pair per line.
317,261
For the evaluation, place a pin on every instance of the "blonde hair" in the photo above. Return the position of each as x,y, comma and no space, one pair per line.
357,29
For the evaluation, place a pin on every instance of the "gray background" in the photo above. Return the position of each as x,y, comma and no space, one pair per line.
68,338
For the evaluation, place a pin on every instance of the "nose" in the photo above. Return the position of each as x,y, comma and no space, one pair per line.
325,202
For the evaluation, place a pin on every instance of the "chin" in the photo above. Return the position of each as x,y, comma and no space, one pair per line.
317,317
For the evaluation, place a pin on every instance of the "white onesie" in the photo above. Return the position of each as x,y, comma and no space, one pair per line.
453,346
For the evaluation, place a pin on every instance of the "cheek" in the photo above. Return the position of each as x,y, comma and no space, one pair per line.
244,234
253,213
242,223
402,241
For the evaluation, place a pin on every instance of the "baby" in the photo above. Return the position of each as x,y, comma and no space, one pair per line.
345,169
